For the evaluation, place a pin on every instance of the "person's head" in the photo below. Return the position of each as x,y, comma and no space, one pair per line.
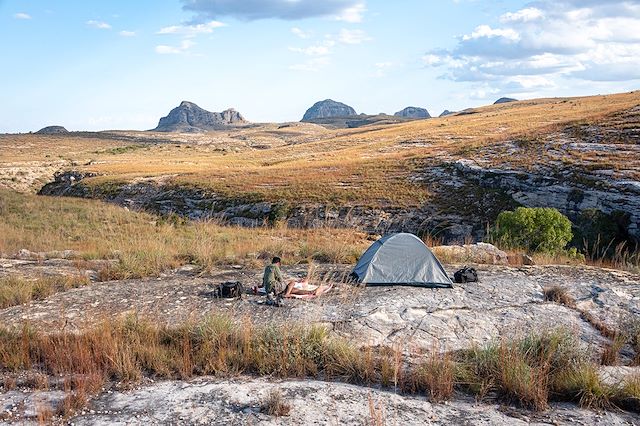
276,260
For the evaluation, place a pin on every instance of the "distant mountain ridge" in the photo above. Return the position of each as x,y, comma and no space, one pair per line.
190,118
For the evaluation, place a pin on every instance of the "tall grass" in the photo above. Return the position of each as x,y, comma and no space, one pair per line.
143,245
529,371
533,370
15,290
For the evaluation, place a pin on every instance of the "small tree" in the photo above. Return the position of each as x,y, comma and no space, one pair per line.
537,229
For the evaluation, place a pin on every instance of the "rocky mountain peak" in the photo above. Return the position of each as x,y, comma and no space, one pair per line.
413,112
190,118
52,130
328,108
504,100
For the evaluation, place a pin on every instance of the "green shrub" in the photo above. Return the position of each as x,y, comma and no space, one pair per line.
537,229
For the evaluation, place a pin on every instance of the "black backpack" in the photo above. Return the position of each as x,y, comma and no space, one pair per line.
466,275
230,290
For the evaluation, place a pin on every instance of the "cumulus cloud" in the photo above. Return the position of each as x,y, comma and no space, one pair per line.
250,10
22,15
192,30
352,14
535,47
101,25
184,46
523,15
125,33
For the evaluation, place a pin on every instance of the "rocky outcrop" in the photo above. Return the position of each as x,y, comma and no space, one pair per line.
413,112
190,118
504,101
569,193
328,108
446,112
472,253
52,130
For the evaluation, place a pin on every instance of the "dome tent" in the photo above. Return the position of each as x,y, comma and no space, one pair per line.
401,259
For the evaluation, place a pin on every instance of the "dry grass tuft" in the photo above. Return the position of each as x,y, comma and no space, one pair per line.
582,383
436,376
377,415
274,404
559,295
18,290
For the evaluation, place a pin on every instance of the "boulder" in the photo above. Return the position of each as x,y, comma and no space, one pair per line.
483,253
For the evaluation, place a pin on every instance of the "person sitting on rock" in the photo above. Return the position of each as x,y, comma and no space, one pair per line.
272,280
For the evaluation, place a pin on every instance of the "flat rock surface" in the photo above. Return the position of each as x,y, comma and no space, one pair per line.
507,301
207,401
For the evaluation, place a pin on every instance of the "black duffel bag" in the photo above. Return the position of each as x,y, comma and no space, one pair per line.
230,290
466,275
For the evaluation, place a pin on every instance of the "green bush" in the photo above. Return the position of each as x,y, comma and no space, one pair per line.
537,229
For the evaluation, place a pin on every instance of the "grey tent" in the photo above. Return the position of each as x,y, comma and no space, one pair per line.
400,259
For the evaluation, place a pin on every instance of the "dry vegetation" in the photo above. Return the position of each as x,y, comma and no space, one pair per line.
371,165
145,245
530,371
16,290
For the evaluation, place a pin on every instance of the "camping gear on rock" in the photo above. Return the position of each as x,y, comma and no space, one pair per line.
466,275
230,290
400,259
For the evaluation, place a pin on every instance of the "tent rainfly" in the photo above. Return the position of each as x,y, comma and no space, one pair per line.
401,259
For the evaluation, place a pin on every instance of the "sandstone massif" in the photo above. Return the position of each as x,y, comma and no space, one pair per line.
327,109
52,130
190,118
413,112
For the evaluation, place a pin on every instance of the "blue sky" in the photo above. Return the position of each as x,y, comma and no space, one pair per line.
122,65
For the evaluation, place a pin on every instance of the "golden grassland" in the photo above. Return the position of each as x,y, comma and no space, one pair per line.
371,165
145,245
530,371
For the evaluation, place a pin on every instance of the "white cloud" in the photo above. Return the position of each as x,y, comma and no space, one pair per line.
551,45
22,15
352,36
192,30
352,14
431,59
184,46
125,33
99,25
300,33
523,15
485,31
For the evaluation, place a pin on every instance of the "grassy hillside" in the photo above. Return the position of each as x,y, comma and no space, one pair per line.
371,165
143,245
